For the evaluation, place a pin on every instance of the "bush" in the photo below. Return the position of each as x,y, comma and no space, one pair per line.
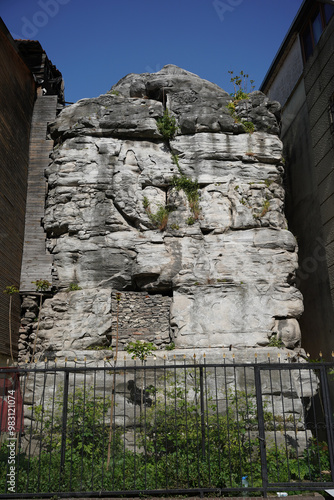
167,125
173,449
140,349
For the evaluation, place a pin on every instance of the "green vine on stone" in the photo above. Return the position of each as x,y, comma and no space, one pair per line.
146,203
175,159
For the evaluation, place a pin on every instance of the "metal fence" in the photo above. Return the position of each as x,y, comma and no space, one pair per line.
170,428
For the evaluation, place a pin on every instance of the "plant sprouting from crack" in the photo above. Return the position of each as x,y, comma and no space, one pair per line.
275,341
264,210
248,126
240,84
73,287
268,182
167,125
159,219
191,188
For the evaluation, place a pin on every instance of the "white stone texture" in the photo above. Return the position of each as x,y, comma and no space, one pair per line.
229,268
75,320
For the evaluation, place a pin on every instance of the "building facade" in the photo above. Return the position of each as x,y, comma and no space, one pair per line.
17,96
26,74
301,78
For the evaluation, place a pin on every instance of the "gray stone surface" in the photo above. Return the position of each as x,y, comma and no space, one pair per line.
219,277
75,320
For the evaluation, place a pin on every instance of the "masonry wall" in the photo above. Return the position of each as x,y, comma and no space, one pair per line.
140,317
135,316
17,94
319,86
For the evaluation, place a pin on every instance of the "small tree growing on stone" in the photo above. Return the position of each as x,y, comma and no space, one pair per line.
140,349
10,290
118,299
167,125
41,287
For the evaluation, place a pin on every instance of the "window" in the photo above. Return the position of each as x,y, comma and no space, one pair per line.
314,27
307,43
331,112
328,12
317,27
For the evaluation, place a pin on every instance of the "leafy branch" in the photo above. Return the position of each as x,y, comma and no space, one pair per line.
140,349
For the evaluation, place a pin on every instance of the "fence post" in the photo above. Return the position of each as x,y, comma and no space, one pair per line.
262,436
328,416
64,422
201,386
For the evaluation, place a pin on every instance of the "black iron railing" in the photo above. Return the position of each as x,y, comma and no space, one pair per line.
169,428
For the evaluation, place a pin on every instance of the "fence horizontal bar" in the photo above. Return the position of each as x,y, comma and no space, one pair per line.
180,491
170,364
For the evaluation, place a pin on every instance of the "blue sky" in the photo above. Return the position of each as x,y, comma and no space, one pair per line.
94,43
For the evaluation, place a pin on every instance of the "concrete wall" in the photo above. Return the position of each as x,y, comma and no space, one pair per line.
17,94
319,85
